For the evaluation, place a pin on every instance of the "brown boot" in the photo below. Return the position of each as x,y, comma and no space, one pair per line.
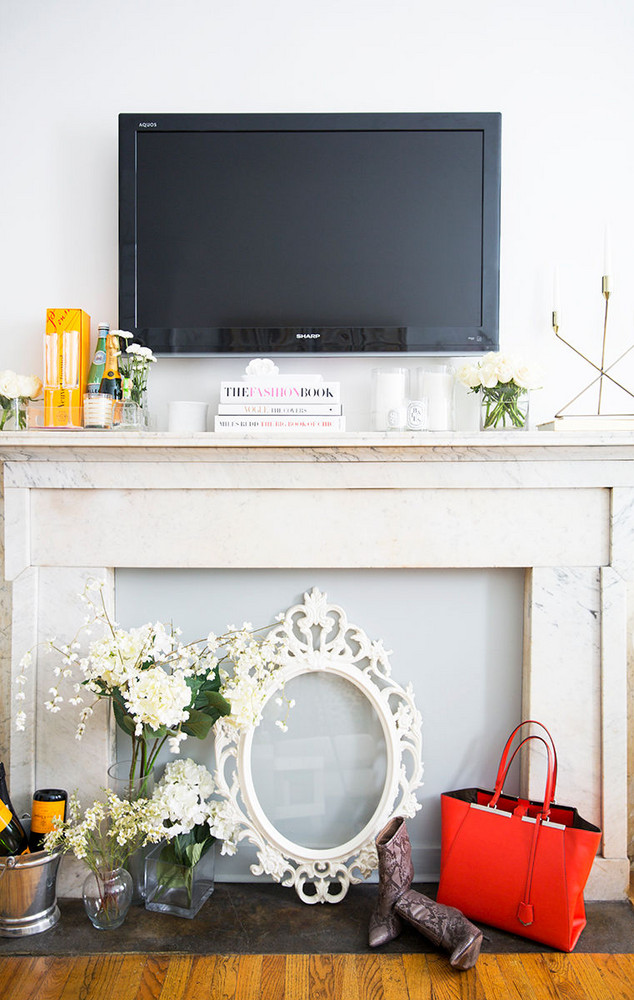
445,926
395,876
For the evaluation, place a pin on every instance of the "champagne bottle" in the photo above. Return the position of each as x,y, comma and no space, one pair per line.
97,368
48,810
111,380
13,839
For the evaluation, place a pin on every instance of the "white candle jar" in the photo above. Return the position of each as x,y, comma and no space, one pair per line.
390,393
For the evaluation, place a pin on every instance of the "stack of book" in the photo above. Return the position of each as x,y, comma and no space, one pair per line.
280,403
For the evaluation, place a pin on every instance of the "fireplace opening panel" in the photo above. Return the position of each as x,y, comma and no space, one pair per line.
457,635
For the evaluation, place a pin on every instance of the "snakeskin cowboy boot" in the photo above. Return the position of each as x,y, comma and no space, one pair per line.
444,926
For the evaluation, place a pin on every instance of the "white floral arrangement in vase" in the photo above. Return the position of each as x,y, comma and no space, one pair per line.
134,365
504,383
161,690
15,393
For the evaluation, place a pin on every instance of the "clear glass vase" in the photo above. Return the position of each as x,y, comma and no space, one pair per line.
178,889
504,408
13,414
132,787
107,898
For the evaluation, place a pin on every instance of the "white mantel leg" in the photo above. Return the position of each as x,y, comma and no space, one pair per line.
575,684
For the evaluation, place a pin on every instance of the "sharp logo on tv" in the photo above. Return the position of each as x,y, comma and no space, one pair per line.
307,336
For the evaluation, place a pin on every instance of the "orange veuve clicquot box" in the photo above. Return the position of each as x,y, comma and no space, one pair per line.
66,364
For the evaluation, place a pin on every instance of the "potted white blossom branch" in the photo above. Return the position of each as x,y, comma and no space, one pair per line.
161,690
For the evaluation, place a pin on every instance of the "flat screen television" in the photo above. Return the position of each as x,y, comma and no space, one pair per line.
310,233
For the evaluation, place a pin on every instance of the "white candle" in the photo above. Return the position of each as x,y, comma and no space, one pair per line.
607,253
389,398
556,289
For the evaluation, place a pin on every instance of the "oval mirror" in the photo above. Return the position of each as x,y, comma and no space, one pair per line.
313,795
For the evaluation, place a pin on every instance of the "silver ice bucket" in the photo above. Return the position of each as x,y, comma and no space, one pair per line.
28,900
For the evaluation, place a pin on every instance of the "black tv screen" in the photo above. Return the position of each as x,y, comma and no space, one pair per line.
348,233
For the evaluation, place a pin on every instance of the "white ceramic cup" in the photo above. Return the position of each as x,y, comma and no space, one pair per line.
187,417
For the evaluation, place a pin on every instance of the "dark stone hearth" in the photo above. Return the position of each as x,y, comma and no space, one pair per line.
260,918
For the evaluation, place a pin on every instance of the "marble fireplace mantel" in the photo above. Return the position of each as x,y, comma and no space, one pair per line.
559,505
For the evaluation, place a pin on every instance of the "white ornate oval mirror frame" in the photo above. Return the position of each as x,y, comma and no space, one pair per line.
316,636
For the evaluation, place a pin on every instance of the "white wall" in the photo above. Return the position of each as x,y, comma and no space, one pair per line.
560,72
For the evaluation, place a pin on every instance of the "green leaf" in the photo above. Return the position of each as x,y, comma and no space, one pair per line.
198,724
123,718
214,700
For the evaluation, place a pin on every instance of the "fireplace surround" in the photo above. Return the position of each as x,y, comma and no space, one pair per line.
559,506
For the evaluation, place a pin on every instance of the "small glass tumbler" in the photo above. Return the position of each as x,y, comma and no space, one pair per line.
390,392
98,410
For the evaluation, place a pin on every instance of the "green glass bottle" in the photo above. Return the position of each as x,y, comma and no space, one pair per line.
95,373
111,380
13,839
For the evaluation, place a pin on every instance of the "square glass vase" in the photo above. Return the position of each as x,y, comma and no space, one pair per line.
178,889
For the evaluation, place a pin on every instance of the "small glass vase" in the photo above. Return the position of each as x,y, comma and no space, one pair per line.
132,417
178,889
504,409
13,414
107,898
130,789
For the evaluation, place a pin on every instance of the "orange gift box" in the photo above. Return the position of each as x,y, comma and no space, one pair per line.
66,364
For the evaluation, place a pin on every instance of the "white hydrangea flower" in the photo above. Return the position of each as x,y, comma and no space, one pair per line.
155,698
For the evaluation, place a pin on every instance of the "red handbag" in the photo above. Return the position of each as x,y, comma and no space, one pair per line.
516,864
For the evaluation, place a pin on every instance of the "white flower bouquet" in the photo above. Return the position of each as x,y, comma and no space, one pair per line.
182,798
16,389
134,365
108,833
504,383
161,689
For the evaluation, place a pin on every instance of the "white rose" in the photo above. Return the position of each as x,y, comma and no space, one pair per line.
9,384
469,375
30,386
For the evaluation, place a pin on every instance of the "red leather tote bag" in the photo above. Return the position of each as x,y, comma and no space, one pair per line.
516,864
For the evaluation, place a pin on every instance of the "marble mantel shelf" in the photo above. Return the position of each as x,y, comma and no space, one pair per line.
560,506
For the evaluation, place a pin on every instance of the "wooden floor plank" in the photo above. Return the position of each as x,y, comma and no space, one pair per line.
296,977
538,972
560,968
452,984
201,977
393,978
175,983
604,977
17,975
152,977
347,977
273,978
321,977
369,978
225,978
417,976
493,983
249,976
47,981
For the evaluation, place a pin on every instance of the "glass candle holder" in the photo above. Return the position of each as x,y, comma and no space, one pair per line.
437,387
390,392
98,410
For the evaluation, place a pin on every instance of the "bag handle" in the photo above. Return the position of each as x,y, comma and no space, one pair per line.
525,909
505,764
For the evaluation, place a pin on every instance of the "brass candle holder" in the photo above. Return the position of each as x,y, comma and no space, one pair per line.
604,372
